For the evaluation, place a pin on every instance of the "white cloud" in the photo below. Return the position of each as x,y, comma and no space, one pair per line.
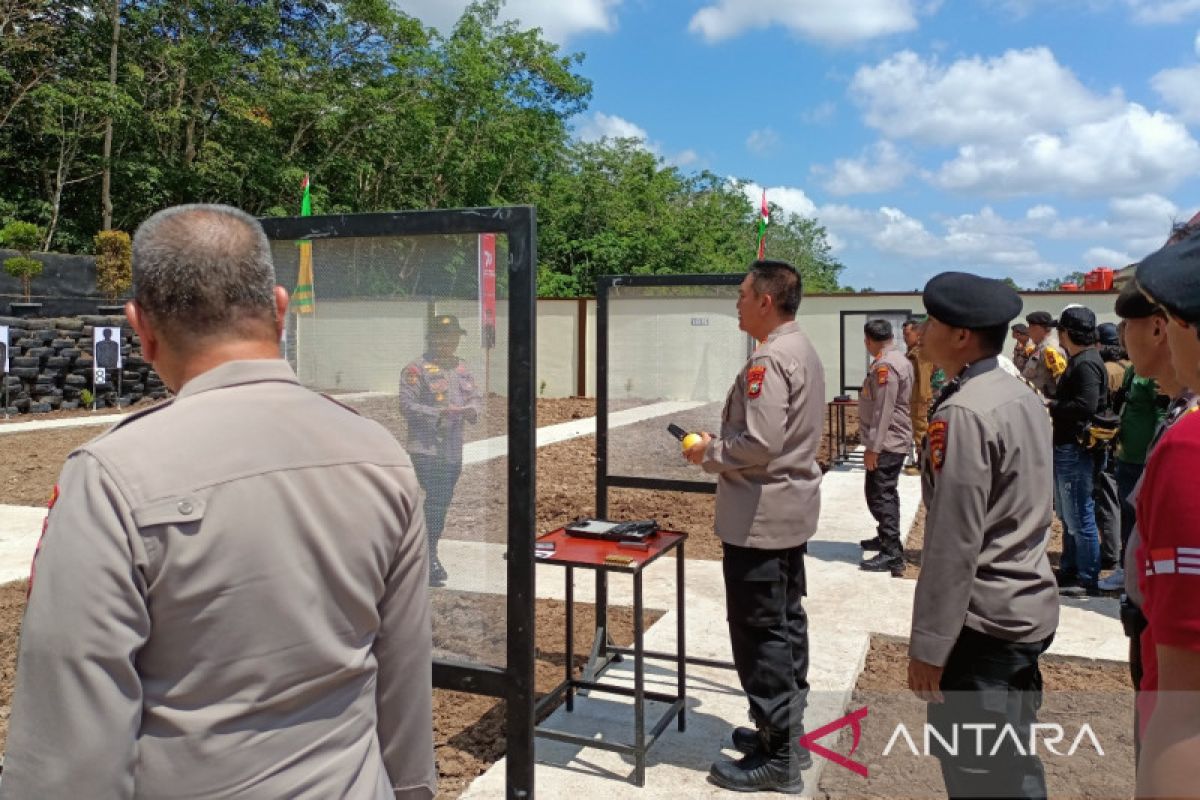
972,100
598,126
1180,88
559,20
817,20
789,198
819,114
1041,212
879,169
1162,12
1126,153
1197,44
762,142
1105,257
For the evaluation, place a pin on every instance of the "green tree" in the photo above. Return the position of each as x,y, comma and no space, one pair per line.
24,237
1054,284
114,263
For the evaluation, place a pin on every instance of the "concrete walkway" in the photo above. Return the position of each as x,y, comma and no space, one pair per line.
845,607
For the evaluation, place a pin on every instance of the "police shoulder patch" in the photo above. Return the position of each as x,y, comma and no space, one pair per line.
937,443
754,381
881,374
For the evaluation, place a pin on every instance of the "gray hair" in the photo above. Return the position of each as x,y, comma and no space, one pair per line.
203,269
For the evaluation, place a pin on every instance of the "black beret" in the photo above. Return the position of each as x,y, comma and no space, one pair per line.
1171,277
1042,318
963,300
1021,328
1077,318
1107,333
1132,304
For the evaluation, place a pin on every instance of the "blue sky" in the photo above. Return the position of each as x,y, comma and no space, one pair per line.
1022,138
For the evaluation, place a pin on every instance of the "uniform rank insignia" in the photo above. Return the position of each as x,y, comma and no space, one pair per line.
881,375
937,443
754,381
1054,361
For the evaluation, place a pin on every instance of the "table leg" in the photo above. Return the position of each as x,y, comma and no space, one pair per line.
681,649
639,685
570,668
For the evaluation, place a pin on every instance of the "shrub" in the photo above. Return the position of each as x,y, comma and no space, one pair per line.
24,237
114,263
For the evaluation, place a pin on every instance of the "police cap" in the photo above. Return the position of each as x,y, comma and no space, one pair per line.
1107,333
1042,318
1077,318
1132,304
963,300
1171,277
445,325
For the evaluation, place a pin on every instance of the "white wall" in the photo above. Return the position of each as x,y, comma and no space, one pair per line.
655,349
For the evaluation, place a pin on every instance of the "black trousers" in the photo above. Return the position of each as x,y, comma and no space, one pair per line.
1107,501
768,628
989,681
438,478
884,502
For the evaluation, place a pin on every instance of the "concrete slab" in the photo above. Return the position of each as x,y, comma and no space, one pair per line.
20,528
69,422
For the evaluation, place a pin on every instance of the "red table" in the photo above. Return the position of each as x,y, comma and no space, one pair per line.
572,552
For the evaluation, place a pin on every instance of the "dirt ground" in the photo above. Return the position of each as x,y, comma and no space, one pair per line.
1077,692
469,729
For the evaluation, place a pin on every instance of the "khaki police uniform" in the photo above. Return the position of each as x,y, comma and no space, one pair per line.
1022,353
429,389
768,501
1044,367
229,601
986,603
885,427
922,393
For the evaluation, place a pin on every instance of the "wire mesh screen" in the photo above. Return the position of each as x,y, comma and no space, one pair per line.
673,353
401,329
855,358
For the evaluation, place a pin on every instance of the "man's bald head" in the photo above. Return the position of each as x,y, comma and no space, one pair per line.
205,271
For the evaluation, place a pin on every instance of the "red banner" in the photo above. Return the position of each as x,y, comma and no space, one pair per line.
487,289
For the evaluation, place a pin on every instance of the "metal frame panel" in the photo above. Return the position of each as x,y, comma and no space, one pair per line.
868,313
514,682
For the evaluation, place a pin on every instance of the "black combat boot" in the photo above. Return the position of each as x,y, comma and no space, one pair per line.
437,573
884,563
773,768
747,742
874,543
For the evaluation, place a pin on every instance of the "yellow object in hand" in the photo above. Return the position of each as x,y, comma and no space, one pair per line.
691,439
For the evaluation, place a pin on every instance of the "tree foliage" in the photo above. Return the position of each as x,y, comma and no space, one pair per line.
23,237
114,263
234,101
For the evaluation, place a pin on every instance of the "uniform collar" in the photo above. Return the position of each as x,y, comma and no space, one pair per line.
979,367
236,373
785,328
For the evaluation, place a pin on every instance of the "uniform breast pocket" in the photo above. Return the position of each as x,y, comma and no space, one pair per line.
168,522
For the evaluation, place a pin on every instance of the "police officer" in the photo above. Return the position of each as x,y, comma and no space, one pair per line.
922,385
229,597
768,499
438,397
886,431
1047,362
986,605
1023,348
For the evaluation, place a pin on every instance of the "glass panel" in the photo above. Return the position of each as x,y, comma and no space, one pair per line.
673,353
397,331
